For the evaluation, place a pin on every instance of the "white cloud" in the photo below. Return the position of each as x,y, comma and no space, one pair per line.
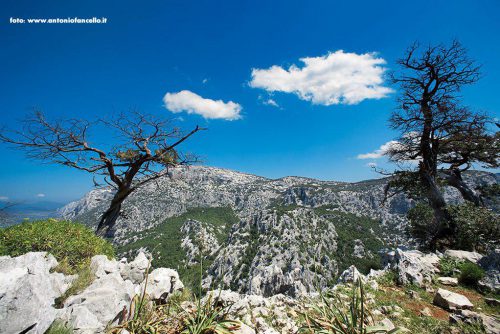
380,152
187,101
4,198
336,78
40,195
271,102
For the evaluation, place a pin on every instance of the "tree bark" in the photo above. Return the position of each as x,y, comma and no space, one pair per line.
454,179
444,224
428,173
108,219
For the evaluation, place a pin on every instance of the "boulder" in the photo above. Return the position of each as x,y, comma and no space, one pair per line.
463,255
386,324
244,329
92,309
492,302
491,261
451,281
426,312
27,292
491,265
161,283
135,270
351,275
101,265
490,324
451,300
414,267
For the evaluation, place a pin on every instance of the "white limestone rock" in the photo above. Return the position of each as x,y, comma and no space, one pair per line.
451,281
415,267
463,255
135,270
92,309
162,282
491,264
351,275
101,265
28,290
451,301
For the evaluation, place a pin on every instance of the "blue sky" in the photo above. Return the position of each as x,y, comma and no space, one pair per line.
209,48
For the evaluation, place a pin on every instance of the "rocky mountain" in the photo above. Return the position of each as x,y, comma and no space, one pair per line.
253,234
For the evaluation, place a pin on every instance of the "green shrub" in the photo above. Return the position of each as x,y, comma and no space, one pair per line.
421,225
470,273
71,244
58,327
85,277
389,278
476,228
448,266
333,315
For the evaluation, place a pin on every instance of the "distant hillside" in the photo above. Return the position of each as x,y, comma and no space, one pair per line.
32,210
259,235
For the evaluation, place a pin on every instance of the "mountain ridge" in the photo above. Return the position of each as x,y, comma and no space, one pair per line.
266,236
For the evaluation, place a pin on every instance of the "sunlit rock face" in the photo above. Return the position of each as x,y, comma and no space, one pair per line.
258,235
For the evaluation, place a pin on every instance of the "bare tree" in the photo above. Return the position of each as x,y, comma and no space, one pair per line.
444,137
147,149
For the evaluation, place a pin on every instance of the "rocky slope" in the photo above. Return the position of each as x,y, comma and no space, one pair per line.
257,235
407,294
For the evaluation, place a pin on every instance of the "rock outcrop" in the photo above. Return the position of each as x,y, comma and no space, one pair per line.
413,267
451,281
289,227
463,255
265,314
451,301
491,265
351,275
29,288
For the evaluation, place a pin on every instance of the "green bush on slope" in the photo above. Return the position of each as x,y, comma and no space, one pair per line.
477,228
470,274
71,244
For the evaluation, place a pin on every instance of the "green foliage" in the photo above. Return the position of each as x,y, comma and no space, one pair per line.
470,273
85,277
128,155
449,265
478,228
331,315
389,278
71,244
209,318
409,182
59,327
164,241
422,225
491,195
349,228
147,317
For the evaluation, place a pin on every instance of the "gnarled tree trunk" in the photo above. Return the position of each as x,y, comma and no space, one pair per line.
454,179
106,227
